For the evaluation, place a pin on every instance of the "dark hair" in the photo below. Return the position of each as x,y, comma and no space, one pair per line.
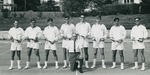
16,20
98,16
82,15
137,18
116,19
32,20
49,19
67,17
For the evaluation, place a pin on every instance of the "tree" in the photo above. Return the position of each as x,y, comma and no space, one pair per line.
23,5
69,6
50,5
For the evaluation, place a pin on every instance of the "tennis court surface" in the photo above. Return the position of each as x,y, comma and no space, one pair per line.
128,54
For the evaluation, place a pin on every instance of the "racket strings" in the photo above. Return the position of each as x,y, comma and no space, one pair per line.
6,36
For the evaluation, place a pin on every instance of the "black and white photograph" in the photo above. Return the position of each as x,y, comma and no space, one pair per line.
74,37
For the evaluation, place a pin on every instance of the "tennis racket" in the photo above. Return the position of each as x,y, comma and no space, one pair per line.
6,36
117,43
20,37
40,35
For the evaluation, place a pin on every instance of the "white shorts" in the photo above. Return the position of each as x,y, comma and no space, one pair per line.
49,46
98,44
138,45
116,46
32,44
64,43
79,45
85,43
15,46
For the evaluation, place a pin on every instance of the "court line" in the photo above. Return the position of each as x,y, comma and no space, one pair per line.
5,52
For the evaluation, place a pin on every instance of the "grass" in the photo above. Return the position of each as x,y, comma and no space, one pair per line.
126,20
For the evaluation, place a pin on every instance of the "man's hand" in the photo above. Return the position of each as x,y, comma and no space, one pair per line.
64,37
93,39
102,39
81,56
88,37
120,41
112,39
19,41
133,39
52,42
141,39
36,40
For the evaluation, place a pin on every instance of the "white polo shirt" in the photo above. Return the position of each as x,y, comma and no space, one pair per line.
51,33
83,29
139,32
67,30
117,32
13,32
99,31
31,32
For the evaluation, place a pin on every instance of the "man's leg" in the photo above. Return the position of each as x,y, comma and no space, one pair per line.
121,58
94,57
19,58
29,52
46,58
65,57
12,59
72,60
142,58
114,58
56,59
135,51
38,56
86,57
103,57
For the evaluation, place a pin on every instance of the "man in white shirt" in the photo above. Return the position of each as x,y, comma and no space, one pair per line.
83,29
51,34
16,43
67,30
117,35
99,34
75,48
138,35
33,42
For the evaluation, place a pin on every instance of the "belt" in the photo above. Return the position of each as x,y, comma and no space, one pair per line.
73,52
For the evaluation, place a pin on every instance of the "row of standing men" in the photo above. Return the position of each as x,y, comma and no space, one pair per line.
81,32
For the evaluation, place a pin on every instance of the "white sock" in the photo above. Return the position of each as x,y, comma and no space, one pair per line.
11,63
86,63
143,65
114,63
18,61
122,64
65,62
56,64
27,63
38,63
136,64
94,62
45,63
103,62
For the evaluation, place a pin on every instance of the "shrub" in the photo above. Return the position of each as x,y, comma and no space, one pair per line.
14,15
22,15
113,9
145,8
5,13
39,14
